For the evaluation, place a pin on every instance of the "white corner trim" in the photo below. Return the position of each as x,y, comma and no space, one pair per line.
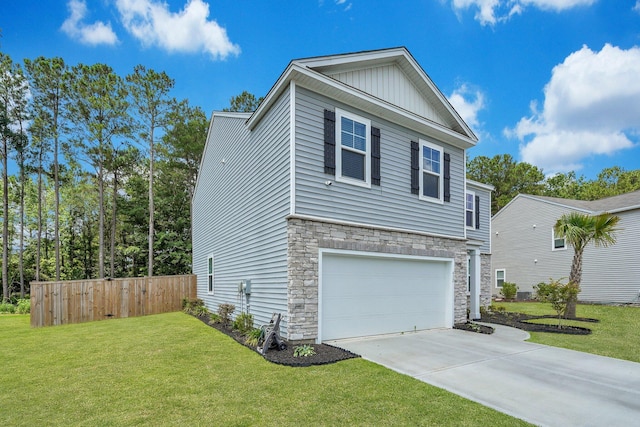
292,148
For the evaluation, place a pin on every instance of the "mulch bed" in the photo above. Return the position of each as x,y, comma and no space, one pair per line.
474,327
522,321
325,354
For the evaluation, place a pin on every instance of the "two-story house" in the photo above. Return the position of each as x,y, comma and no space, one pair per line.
526,250
342,203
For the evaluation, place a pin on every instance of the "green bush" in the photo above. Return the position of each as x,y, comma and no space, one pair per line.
194,306
225,311
24,306
243,323
558,294
253,337
6,307
509,290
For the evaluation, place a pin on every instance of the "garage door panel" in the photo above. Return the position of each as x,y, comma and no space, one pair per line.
375,295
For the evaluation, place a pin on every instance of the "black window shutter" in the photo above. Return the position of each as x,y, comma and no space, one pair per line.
477,206
329,142
415,168
447,177
375,156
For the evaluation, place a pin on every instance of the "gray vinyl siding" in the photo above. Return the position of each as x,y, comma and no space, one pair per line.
239,212
517,244
613,274
609,274
484,232
391,204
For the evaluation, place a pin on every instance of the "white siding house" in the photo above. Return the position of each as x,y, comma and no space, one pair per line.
526,251
343,201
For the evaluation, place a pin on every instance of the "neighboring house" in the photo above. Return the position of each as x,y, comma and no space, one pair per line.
341,201
526,251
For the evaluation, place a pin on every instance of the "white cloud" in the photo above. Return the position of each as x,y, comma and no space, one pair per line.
489,12
591,107
91,34
468,102
153,24
637,6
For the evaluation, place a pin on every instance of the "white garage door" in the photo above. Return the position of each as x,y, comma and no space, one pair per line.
372,295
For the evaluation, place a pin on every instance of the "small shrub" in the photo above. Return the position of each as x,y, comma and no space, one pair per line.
6,307
303,351
24,306
558,294
253,337
243,323
213,318
192,306
497,308
509,290
225,311
200,311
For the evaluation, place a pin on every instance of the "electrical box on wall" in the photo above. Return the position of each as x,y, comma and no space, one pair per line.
245,287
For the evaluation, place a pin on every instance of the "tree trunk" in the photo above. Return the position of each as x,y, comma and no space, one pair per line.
574,277
114,211
100,225
56,190
151,207
21,255
39,237
5,223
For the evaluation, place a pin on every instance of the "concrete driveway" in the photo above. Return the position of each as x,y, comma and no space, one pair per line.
543,385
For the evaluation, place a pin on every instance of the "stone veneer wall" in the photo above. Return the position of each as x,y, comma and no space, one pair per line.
307,236
485,280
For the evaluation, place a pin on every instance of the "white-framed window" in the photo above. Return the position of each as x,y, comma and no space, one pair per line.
431,168
353,149
501,277
210,274
470,209
557,243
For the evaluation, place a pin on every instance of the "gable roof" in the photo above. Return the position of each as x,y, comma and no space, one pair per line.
613,204
362,80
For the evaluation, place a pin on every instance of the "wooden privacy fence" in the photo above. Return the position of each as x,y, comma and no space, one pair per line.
75,301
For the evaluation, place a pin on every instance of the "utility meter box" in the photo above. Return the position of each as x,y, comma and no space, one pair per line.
245,287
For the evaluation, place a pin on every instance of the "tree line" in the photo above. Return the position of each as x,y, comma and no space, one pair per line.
98,171
105,169
511,178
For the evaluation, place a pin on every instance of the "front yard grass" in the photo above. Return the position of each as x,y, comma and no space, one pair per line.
171,369
616,335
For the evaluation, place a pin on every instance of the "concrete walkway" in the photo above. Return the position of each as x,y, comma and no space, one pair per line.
543,385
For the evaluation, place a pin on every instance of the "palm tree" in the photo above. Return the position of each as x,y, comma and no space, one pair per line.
579,230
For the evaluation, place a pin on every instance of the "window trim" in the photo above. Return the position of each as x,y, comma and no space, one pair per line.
210,274
367,160
553,242
440,175
504,277
473,210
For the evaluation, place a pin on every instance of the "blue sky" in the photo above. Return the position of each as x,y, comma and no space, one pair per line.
555,83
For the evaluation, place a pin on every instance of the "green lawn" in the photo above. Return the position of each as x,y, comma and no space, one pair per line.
171,369
616,335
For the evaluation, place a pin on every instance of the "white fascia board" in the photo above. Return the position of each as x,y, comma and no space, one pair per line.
477,184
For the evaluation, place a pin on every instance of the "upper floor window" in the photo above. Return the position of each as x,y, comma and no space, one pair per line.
431,168
558,243
353,148
470,209
210,274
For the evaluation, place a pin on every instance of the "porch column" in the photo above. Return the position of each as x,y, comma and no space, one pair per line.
475,284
